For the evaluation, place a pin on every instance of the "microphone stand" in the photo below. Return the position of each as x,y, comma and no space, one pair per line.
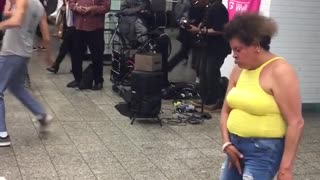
203,84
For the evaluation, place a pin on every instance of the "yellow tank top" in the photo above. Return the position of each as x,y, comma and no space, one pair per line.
254,113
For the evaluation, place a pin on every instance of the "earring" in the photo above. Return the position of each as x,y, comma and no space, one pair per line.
258,50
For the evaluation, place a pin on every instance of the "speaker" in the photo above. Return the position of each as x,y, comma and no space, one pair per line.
146,83
146,106
146,93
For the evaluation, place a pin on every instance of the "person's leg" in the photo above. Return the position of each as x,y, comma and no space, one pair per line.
65,46
69,38
140,30
213,74
27,78
79,46
196,57
96,47
6,72
178,57
17,88
262,158
202,58
200,55
63,50
163,43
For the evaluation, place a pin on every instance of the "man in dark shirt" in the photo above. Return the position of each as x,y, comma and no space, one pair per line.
216,48
89,23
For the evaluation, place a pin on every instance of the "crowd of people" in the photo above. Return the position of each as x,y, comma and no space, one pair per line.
261,120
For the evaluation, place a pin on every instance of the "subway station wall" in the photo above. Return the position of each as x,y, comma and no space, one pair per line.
298,40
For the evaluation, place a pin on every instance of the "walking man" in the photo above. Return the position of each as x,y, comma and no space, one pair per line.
15,53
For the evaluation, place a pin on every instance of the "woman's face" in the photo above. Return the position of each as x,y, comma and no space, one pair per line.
245,56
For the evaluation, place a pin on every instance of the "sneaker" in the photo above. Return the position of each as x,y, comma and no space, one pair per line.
44,121
211,107
35,49
197,80
73,84
97,87
5,141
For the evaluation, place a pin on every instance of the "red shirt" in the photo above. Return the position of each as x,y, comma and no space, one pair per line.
2,4
93,20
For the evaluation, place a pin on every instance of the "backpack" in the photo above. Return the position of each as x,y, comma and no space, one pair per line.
181,90
87,78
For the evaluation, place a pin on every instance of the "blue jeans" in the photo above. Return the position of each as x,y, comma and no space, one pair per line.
12,76
262,157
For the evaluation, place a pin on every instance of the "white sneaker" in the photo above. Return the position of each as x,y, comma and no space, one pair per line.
197,80
44,121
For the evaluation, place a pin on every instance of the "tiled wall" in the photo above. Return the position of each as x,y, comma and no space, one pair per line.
298,41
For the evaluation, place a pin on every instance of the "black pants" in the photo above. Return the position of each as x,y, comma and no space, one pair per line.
66,45
186,39
163,48
196,59
179,56
95,41
210,86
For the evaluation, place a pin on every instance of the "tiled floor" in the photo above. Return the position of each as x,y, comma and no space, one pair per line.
89,139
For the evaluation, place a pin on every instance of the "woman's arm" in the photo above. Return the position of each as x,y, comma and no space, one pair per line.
234,155
225,108
286,92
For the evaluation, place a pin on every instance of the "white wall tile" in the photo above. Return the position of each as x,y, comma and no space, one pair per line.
298,41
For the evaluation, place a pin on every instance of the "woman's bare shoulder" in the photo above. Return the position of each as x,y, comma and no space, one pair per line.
235,73
281,67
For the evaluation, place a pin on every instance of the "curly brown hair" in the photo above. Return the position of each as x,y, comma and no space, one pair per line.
251,28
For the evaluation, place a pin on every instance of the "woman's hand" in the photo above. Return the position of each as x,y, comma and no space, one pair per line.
285,174
235,157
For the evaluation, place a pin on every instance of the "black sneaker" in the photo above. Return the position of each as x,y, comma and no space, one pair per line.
73,84
97,87
5,141
212,107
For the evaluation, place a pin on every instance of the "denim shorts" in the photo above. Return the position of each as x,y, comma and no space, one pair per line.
262,158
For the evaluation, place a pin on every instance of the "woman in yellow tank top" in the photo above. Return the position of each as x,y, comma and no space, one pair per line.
261,120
